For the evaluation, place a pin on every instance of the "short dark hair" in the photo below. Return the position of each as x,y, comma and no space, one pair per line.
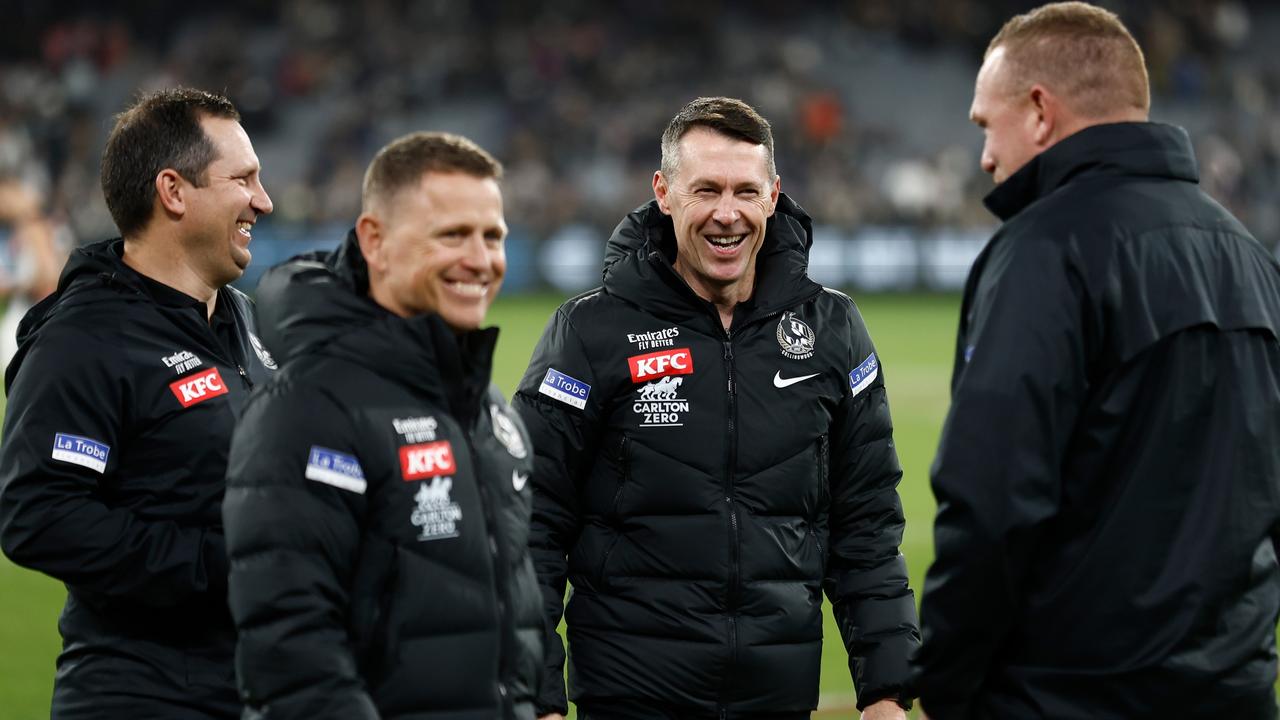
160,130
402,163
727,116
1080,51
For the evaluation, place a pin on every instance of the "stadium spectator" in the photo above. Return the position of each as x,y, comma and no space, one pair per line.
713,450
591,83
1108,479
36,254
121,403
377,509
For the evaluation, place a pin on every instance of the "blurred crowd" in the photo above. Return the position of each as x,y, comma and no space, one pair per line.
869,98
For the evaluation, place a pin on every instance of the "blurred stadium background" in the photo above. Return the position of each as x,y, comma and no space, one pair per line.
869,101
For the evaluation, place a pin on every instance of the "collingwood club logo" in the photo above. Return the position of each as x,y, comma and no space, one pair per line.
505,430
658,403
437,515
261,350
795,337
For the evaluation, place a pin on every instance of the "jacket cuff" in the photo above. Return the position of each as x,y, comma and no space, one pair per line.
894,693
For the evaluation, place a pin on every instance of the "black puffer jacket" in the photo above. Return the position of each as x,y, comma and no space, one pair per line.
1108,478
699,489
122,399
377,515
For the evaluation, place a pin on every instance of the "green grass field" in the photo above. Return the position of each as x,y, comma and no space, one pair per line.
914,335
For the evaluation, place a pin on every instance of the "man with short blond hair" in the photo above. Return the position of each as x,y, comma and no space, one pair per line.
1107,476
377,509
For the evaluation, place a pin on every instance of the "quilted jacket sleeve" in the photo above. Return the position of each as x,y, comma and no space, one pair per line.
866,577
563,429
293,508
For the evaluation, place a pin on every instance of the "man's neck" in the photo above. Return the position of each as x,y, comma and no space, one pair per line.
158,260
724,297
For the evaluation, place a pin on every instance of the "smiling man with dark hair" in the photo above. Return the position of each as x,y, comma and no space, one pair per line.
122,398
714,450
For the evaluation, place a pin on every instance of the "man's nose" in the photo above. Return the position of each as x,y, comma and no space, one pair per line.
726,211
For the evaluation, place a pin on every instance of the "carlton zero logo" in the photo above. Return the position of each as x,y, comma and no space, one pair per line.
678,361
427,460
198,388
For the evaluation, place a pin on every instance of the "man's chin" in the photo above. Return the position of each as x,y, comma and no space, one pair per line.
461,322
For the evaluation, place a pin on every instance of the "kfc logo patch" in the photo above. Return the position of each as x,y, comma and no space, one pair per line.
426,460
644,368
198,388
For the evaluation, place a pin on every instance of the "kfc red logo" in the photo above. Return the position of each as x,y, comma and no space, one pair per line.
677,361
198,388
427,460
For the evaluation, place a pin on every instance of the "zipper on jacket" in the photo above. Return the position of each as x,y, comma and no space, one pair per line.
244,376
505,649
824,495
730,498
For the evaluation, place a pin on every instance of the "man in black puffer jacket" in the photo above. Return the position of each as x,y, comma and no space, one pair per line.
377,509
714,449
1108,478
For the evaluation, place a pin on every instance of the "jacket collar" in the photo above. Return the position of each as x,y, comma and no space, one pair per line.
1117,149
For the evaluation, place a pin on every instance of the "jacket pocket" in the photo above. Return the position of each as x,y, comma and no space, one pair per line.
823,509
373,591
624,473
614,519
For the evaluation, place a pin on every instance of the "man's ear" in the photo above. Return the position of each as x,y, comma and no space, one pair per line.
773,194
171,191
661,192
1047,116
371,232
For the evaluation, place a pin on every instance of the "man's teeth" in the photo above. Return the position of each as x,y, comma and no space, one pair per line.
729,241
246,229
471,289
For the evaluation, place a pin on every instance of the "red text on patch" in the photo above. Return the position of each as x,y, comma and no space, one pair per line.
198,388
677,361
427,460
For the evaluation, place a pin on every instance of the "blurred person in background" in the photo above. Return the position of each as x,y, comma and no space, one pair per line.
36,254
1108,478
121,402
713,450
377,508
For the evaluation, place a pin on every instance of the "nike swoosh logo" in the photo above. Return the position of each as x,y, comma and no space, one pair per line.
781,382
518,481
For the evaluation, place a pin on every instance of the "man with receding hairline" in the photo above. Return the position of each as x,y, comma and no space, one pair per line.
1108,478
377,504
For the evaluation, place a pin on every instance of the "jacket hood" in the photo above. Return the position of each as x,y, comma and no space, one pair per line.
643,247
97,265
89,270
318,304
1128,149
